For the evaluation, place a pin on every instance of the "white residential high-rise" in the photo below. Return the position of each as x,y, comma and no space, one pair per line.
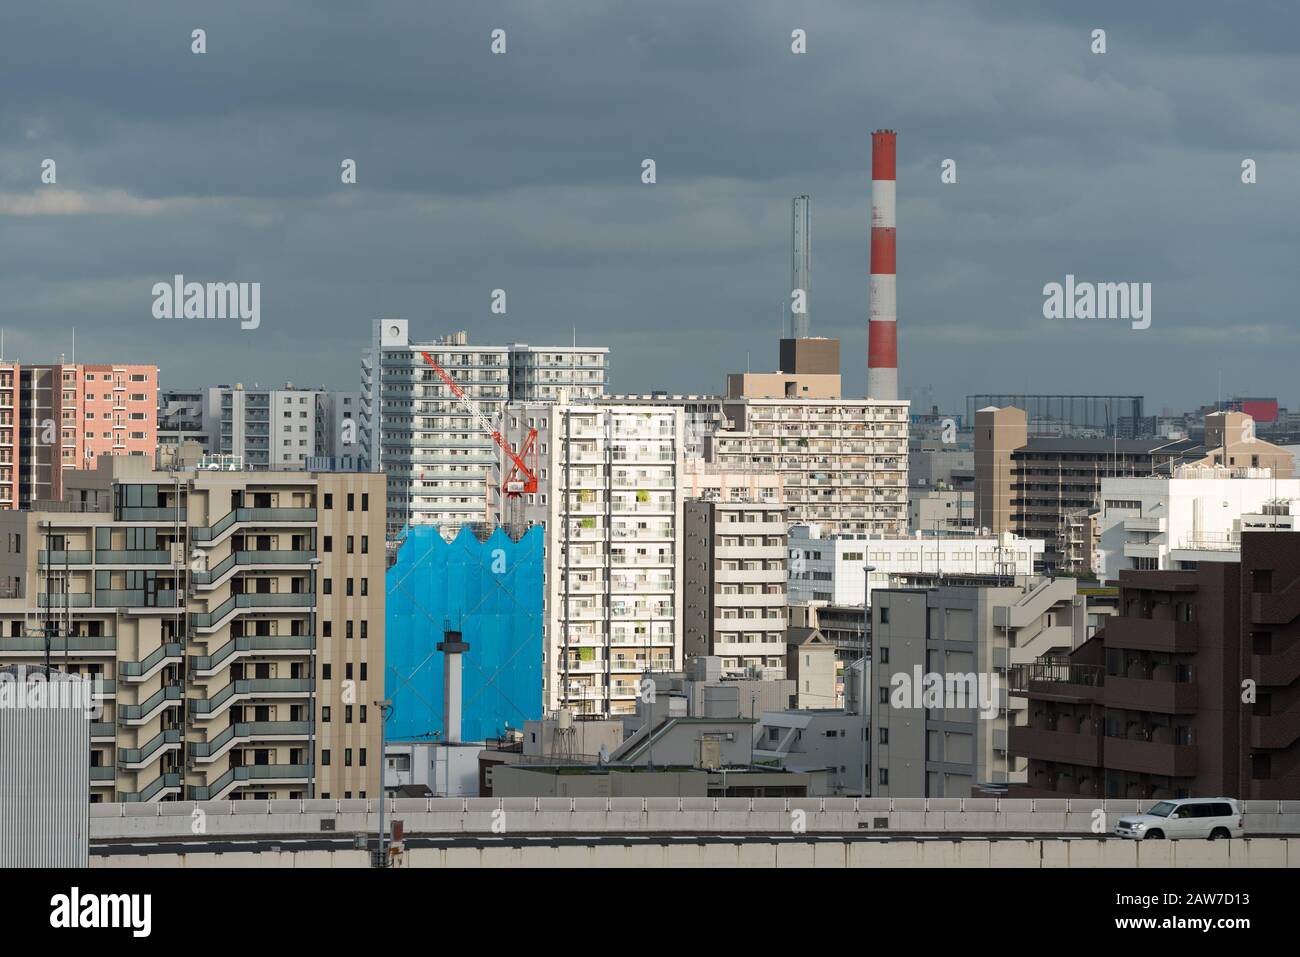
609,493
269,428
438,460
842,462
1155,523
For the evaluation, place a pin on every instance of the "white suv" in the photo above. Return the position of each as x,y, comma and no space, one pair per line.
1211,818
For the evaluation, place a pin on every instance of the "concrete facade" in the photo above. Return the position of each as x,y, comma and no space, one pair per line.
842,462
734,584
946,747
610,497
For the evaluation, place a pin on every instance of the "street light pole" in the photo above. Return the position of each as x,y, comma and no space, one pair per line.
385,707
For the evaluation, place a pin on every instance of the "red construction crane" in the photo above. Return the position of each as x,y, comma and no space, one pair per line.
521,478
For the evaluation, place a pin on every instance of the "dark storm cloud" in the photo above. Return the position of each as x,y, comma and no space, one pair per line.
522,172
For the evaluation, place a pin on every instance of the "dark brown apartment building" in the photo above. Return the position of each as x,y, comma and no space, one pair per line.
1192,690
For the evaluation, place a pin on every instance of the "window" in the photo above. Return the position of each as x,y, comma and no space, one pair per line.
347,714
329,628
884,654
884,735
363,757
349,629
327,586
351,498
363,716
363,678
365,544
884,694
325,713
365,501
325,757
349,590
365,586
884,616
364,636
349,545
329,543
347,757
884,776
329,500
347,668
325,670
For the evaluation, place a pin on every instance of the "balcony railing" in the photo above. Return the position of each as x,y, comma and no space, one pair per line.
252,772
269,557
266,516
131,669
250,730
150,748
267,687
252,643
251,600
170,780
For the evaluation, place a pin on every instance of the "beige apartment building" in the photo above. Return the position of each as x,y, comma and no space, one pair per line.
841,463
735,585
235,620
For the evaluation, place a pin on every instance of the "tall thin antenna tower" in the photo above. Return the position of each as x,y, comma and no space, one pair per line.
801,263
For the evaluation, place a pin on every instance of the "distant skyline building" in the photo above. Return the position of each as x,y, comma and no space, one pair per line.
73,413
1084,416
438,460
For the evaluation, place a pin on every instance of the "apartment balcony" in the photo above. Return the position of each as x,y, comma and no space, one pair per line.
102,731
1149,634
204,666
251,774
208,622
81,645
262,517
1150,757
203,709
1145,524
59,559
135,557
1160,696
205,752
1062,747
237,560
169,515
57,600
102,775
138,600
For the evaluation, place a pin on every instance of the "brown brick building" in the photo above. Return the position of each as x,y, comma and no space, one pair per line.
1152,706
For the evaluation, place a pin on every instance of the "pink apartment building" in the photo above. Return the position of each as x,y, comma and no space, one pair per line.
70,414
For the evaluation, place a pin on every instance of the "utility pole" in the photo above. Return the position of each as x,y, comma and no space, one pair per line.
385,707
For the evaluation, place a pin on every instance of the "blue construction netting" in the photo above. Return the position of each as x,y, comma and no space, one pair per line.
491,592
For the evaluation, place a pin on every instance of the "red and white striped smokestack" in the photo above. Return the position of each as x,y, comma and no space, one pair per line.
882,330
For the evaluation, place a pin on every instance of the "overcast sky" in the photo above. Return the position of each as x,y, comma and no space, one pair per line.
522,172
